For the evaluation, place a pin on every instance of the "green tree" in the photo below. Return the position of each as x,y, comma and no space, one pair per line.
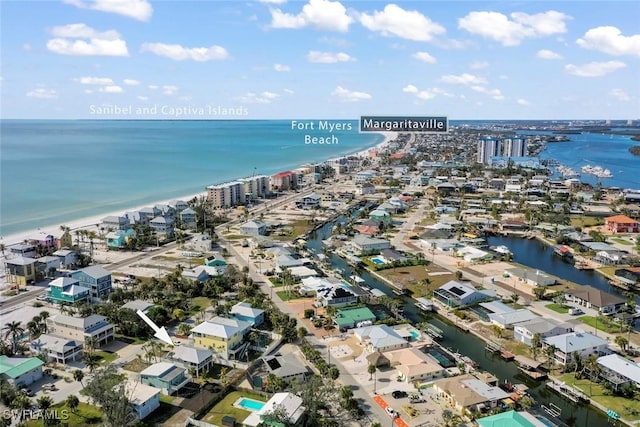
14,330
536,342
72,402
108,391
44,403
622,342
539,292
371,369
78,375
549,352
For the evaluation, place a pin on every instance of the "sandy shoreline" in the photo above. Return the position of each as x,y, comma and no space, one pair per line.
93,221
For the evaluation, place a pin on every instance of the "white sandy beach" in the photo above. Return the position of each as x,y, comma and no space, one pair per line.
92,222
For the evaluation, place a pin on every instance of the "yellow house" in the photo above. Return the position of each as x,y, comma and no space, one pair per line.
222,336
21,270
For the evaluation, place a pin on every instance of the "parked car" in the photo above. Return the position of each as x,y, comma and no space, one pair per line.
50,387
416,398
398,394
575,311
391,412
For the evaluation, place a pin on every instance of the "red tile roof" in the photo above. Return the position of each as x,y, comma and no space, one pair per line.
620,219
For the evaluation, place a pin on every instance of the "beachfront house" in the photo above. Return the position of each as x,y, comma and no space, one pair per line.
163,226
144,399
20,371
20,271
113,222
590,297
581,343
225,337
57,349
118,239
188,218
546,327
43,239
94,328
621,224
165,376
97,279
67,290
67,257
23,250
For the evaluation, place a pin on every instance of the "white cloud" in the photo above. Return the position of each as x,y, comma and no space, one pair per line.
410,89
142,98
42,93
523,102
136,9
265,97
328,57
510,32
131,82
319,14
288,91
82,40
273,1
610,40
494,93
153,87
463,79
479,65
594,69
270,95
94,80
111,89
619,94
406,24
181,53
347,95
281,68
169,90
424,57
548,54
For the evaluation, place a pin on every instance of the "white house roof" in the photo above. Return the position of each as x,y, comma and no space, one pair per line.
95,271
460,289
138,304
79,322
191,354
222,327
513,317
74,290
497,307
289,403
20,260
541,325
245,309
253,224
61,282
54,343
621,366
139,393
575,341
491,393
157,369
380,336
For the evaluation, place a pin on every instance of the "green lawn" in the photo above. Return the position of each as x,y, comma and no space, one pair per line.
292,230
167,399
202,302
584,221
604,325
288,295
85,415
597,393
621,241
106,357
608,271
136,365
129,340
558,308
225,407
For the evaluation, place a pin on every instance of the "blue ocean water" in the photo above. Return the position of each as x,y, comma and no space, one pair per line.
595,149
54,172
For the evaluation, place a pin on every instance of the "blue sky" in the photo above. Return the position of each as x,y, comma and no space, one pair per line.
321,59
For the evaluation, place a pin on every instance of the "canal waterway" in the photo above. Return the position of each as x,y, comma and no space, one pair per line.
467,344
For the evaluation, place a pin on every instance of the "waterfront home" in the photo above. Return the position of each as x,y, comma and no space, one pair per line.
337,295
621,224
546,327
590,297
165,376
582,343
178,205
349,318
456,294
47,264
380,338
629,275
163,226
96,278
67,290
253,228
511,419
146,214
20,270
138,304
192,358
414,365
57,349
284,181
513,225
441,245
118,239
507,320
67,257
225,337
94,328
20,371
302,271
365,244
530,276
466,392
364,177
619,371
27,250
245,312
143,399
188,218
113,222
310,201
287,405
43,239
471,254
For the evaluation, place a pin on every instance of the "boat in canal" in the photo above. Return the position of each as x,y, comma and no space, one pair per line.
569,392
425,304
563,251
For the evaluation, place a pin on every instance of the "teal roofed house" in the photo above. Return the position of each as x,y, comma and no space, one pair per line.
118,239
67,290
21,371
511,419
166,376
354,317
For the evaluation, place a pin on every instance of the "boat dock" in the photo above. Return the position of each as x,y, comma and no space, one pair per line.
434,332
492,347
529,367
568,392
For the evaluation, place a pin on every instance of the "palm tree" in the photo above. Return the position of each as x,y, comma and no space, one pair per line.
21,402
550,351
14,330
44,403
78,375
622,342
72,402
34,329
371,369
44,315
536,342
594,370
91,360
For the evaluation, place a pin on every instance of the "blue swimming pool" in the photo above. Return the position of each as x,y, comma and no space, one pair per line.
250,404
415,334
377,261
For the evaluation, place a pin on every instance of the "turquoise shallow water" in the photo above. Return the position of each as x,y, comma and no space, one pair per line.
54,172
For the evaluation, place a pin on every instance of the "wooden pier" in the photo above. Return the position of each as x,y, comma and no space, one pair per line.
568,392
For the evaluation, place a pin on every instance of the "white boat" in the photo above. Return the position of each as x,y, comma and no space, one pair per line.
356,279
502,249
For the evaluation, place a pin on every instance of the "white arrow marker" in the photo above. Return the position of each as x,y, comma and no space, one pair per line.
160,333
